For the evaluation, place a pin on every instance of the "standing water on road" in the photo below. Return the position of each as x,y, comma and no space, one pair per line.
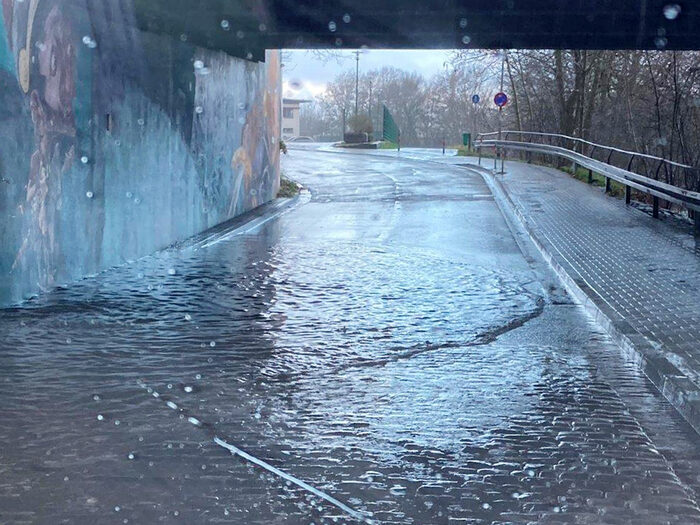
385,342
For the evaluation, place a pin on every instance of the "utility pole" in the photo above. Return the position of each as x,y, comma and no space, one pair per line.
357,77
370,104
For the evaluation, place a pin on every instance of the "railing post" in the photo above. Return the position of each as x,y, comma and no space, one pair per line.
479,152
696,215
655,210
590,176
607,184
628,194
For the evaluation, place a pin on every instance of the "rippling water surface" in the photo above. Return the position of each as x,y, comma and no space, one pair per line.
414,386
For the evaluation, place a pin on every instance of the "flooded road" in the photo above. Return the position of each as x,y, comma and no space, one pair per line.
384,340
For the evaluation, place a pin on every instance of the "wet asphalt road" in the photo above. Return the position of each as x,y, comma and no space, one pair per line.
385,340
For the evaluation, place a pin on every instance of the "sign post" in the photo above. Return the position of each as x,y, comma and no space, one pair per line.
500,99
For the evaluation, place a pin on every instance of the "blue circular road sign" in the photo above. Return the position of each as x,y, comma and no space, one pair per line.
475,99
501,99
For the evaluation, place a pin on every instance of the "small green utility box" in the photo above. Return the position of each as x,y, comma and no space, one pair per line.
467,139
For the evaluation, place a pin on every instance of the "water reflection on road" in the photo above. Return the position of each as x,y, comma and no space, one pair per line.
385,342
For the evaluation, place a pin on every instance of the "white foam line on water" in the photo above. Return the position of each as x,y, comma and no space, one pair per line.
330,499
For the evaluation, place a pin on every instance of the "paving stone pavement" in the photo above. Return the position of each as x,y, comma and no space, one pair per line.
642,270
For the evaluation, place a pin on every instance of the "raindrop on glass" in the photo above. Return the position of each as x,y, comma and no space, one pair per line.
100,417
198,376
671,11
212,343
466,39
262,27
331,26
188,389
198,64
346,18
171,271
131,455
117,422
117,508
89,194
96,397
660,42
463,23
485,506
141,122
188,317
198,109
84,159
240,34
225,25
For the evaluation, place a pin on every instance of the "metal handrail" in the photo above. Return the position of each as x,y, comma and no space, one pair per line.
658,190
583,141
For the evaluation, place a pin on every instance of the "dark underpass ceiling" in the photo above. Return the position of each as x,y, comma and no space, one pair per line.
246,27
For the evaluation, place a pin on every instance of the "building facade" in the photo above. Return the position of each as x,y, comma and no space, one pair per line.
290,117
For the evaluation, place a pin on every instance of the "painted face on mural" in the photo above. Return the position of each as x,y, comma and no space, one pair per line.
54,80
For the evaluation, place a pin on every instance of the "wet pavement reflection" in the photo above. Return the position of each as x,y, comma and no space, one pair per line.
385,342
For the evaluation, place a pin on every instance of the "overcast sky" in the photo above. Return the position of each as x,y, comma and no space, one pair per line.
306,75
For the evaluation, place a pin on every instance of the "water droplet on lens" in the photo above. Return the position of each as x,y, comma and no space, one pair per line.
462,23
131,455
240,34
188,317
671,11
212,343
485,506
117,422
188,389
100,417
141,122
84,159
225,25
346,18
331,26
262,27
466,39
198,376
198,64
198,109
89,194
171,271
96,397
117,508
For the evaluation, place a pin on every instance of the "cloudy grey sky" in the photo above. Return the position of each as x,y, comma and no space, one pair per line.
305,75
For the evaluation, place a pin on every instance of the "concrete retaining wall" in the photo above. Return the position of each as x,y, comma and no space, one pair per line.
116,142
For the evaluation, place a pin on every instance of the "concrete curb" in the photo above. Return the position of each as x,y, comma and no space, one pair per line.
673,384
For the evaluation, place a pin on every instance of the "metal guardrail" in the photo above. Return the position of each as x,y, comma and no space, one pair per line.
555,144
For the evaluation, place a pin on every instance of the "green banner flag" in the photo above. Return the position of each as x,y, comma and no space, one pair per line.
391,131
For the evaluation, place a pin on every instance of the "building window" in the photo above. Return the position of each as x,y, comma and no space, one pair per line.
288,112
287,130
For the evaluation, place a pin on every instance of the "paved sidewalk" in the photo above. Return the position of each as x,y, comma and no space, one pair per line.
639,276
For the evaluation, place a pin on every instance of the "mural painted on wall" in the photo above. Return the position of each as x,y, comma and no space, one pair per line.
115,142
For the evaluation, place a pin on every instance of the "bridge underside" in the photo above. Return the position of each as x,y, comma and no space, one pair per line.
253,25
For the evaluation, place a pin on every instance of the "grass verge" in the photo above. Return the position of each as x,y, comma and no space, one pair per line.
288,188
